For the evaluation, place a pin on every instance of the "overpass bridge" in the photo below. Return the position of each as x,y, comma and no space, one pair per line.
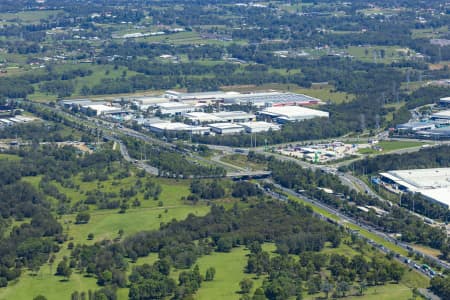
249,174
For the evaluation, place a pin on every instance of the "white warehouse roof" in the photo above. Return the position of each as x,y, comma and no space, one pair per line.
445,114
173,105
432,183
294,112
203,117
177,126
259,126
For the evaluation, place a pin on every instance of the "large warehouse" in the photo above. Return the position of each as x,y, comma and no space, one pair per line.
442,115
434,184
177,127
284,114
219,117
226,128
259,126
268,99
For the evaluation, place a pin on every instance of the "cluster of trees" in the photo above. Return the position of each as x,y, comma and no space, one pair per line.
432,157
398,220
441,287
207,189
288,277
38,132
215,189
171,162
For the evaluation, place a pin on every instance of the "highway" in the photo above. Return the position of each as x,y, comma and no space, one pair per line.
343,219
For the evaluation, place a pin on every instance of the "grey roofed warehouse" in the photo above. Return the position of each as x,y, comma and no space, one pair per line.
434,183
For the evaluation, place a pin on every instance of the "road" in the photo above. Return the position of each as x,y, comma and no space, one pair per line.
345,219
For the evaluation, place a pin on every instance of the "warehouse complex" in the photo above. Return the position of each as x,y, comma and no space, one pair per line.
205,112
434,184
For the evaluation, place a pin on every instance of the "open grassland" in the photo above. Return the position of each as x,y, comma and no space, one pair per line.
99,73
229,272
9,157
389,146
429,33
28,16
380,54
242,162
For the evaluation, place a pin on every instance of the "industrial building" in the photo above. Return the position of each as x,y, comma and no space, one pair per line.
146,102
259,126
434,134
220,117
415,126
76,103
202,118
268,99
284,114
442,115
445,101
235,116
434,184
226,128
205,97
177,127
174,108
100,109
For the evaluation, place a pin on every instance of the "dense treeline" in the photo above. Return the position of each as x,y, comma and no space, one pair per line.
398,220
426,95
433,157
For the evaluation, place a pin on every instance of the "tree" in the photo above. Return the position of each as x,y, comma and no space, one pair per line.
224,244
63,269
313,285
82,217
362,287
246,285
210,272
342,288
326,287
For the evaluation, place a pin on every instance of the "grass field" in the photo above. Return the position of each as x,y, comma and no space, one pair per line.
28,16
389,146
242,162
100,72
229,272
391,53
430,33
9,156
